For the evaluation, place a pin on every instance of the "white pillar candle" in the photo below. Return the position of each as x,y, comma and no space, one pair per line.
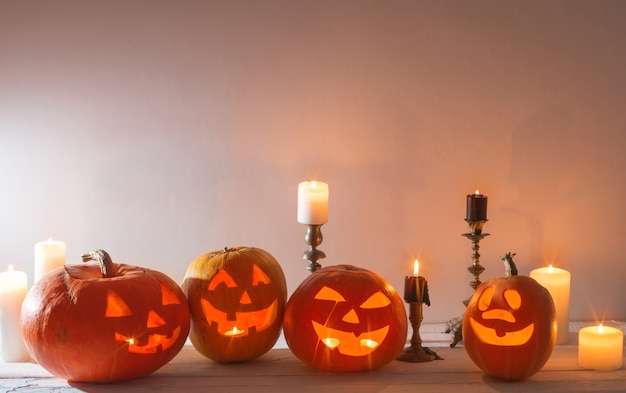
600,347
557,282
49,255
312,203
13,288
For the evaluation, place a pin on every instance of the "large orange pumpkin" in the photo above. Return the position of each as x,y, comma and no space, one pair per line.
237,299
104,322
509,327
345,318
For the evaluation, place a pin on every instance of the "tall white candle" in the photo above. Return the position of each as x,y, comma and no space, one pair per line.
13,288
312,203
600,347
49,255
557,282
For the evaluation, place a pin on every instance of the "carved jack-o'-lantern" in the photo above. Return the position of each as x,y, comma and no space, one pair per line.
237,298
345,318
104,323
509,327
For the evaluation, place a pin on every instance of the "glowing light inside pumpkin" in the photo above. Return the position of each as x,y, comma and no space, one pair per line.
130,341
369,343
234,332
331,342
500,336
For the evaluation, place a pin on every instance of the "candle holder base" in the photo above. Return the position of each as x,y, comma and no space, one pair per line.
417,354
313,237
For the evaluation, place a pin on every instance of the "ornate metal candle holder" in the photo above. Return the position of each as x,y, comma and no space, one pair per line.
416,352
416,294
313,237
475,235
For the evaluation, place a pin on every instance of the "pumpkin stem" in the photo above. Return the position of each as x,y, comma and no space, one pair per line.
104,259
509,266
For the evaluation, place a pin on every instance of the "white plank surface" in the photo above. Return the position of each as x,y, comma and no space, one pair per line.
280,371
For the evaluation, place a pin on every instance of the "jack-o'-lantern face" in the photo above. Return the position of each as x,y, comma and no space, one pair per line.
145,330
240,305
237,298
355,332
506,329
509,327
345,318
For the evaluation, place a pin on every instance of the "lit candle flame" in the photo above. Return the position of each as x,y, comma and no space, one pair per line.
313,184
550,269
331,342
130,341
10,268
369,343
600,329
416,268
477,193
234,332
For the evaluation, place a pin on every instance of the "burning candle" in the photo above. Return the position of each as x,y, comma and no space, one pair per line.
13,288
600,347
476,207
416,287
557,282
49,255
312,203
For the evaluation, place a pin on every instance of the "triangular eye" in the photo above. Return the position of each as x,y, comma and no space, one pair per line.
168,296
485,298
154,320
329,294
258,276
377,300
116,307
222,278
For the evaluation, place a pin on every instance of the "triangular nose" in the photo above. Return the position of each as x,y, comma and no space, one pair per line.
245,298
351,317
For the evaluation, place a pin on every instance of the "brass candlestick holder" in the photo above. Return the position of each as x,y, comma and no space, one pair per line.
313,237
475,235
416,352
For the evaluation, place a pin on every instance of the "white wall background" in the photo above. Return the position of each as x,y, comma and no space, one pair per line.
160,130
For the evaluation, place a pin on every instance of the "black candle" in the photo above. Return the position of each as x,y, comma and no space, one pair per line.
476,207
416,288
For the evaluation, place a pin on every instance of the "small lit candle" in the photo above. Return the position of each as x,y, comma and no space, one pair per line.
557,282
476,207
49,255
312,203
13,288
234,332
600,347
416,287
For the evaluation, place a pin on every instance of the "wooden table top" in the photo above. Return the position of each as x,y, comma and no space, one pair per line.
280,371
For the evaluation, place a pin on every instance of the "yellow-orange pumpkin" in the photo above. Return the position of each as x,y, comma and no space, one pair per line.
237,299
345,318
104,322
509,327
